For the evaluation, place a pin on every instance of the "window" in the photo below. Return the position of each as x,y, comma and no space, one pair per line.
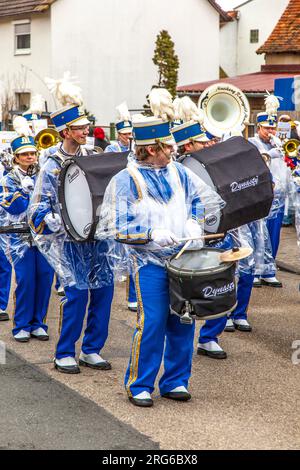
254,35
22,38
22,101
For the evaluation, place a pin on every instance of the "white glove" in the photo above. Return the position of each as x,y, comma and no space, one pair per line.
194,230
53,221
164,237
27,184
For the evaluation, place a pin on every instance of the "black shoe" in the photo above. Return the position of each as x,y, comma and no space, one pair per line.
212,354
271,284
22,340
229,329
143,402
100,365
67,369
179,396
40,337
246,328
4,316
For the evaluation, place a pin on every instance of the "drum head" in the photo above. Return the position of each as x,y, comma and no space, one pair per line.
198,261
77,206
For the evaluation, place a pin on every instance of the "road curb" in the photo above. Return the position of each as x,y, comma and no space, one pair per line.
288,267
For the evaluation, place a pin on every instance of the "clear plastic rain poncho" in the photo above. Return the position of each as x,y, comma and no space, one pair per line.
264,261
143,198
84,265
282,181
14,203
296,199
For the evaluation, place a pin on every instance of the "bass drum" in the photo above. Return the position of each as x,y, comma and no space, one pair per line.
82,183
237,172
201,286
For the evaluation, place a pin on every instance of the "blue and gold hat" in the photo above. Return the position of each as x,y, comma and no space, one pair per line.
31,116
22,144
264,120
151,131
124,127
68,116
188,132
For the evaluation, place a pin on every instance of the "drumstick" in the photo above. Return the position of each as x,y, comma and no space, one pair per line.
204,237
184,248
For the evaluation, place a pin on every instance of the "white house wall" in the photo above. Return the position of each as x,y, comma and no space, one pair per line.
38,61
228,48
257,14
109,45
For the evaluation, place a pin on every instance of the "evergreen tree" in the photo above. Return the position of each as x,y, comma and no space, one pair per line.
167,62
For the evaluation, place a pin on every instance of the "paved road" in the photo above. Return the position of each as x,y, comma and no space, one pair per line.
249,401
39,413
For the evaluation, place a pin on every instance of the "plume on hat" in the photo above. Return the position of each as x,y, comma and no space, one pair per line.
272,104
186,110
37,104
123,112
21,126
65,90
139,118
161,104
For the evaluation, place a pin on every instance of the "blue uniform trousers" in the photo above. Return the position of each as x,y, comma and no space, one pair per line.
244,290
157,328
274,226
5,279
213,328
131,295
73,309
34,277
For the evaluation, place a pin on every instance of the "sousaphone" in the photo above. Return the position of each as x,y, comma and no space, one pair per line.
225,108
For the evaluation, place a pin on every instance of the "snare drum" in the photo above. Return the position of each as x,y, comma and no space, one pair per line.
201,286
82,183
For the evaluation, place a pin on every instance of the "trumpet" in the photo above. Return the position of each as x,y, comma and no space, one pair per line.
291,147
47,138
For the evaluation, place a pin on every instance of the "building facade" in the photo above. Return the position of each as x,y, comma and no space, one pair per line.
254,20
107,45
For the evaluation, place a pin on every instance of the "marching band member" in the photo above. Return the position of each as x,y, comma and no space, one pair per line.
190,137
265,140
73,261
158,202
34,276
124,131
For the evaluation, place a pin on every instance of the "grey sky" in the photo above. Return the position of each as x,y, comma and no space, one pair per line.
228,4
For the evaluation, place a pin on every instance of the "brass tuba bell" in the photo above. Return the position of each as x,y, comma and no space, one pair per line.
225,108
47,138
290,147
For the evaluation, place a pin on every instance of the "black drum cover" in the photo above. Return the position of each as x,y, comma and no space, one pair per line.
209,291
240,176
82,184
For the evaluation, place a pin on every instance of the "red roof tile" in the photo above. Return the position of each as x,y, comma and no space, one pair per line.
286,34
250,83
20,7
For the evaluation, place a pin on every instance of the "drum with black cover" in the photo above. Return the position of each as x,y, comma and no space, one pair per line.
201,286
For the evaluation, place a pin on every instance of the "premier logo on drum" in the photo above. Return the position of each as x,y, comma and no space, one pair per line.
214,292
235,186
73,176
